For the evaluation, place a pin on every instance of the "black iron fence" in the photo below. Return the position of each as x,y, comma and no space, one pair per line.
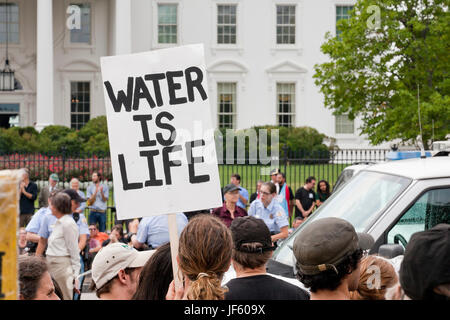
297,166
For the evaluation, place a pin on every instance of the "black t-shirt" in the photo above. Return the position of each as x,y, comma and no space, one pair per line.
27,205
307,198
263,287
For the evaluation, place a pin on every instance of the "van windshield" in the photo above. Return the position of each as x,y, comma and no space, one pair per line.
358,202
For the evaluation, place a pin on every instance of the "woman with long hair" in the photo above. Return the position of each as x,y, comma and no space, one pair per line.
204,256
323,192
156,275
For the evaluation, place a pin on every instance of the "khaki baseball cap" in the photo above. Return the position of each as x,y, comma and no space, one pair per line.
115,257
324,243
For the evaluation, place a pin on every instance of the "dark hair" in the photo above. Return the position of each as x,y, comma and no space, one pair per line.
282,174
106,288
251,260
99,175
329,279
31,270
310,179
327,191
61,202
205,254
155,276
119,229
58,290
271,186
237,176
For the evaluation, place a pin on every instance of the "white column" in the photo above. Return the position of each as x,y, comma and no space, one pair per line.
122,36
44,68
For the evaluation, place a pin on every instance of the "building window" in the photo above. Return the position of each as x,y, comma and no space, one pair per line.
285,24
80,104
286,104
226,96
167,23
82,35
342,13
226,24
9,22
9,115
344,124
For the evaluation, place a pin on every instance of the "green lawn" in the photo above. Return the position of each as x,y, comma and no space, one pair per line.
295,174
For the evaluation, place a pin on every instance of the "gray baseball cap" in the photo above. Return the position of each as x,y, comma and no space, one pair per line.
230,188
324,243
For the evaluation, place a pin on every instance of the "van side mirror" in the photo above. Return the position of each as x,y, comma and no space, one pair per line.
390,251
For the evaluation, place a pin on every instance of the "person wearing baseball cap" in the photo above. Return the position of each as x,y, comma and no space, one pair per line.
274,178
328,252
252,248
45,192
229,210
116,269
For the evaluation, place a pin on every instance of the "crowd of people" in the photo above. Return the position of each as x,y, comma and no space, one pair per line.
58,244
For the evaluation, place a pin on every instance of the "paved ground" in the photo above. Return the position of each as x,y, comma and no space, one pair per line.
86,294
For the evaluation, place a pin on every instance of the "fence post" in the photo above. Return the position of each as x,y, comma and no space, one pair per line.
285,154
64,150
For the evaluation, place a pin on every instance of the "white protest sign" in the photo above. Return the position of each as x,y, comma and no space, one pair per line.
160,132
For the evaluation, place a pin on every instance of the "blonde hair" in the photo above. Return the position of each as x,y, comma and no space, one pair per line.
376,276
205,255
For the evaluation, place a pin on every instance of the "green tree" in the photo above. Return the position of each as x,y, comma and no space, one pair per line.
94,135
55,137
374,71
19,139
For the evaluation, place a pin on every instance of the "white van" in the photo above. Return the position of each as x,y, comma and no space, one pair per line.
390,201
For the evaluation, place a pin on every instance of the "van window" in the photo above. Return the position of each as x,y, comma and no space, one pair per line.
432,208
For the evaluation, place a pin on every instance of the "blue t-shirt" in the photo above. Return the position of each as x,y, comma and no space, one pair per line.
155,230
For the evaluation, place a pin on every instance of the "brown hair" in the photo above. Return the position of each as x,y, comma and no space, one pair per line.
251,260
271,186
205,255
119,229
61,202
31,270
367,288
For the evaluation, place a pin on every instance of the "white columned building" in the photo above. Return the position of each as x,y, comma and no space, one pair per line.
260,58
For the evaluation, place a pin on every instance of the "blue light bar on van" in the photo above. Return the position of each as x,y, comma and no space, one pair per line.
401,155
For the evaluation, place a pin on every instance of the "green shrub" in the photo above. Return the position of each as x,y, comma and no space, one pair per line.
21,140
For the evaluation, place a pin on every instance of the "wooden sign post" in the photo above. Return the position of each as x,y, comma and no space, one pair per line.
9,212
